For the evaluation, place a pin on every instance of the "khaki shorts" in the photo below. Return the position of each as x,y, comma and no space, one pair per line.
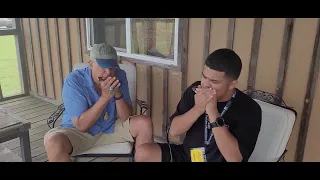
83,141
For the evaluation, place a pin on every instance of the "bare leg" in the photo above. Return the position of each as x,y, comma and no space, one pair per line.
148,153
58,148
141,129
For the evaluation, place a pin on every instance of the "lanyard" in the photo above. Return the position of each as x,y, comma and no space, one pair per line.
207,123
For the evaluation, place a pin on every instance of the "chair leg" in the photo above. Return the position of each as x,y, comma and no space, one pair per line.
75,159
131,159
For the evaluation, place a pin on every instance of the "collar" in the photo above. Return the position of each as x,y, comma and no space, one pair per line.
88,77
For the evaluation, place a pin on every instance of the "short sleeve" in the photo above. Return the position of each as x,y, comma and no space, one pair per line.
74,100
247,132
124,88
186,102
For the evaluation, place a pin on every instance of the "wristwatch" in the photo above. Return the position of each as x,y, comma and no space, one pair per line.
218,123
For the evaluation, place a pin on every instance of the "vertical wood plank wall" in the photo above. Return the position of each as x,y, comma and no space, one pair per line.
62,44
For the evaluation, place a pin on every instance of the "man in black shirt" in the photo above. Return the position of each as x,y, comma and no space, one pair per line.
221,123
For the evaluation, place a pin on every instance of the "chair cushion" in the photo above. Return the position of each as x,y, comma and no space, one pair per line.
80,66
118,148
276,128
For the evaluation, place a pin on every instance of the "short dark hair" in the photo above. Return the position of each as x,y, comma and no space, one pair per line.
225,60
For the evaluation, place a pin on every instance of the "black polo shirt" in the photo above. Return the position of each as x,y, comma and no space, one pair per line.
243,118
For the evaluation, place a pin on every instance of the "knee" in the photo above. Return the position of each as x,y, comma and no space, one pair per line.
57,143
142,121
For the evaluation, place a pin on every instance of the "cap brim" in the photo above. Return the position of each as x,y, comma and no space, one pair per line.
107,63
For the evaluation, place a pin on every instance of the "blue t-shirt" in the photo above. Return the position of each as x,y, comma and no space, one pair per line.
79,94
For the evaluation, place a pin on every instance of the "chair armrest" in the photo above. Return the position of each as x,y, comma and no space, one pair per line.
55,115
143,106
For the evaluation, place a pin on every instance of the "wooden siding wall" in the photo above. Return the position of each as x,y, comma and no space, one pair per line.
279,56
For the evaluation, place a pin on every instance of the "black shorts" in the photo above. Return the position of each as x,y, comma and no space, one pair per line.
178,153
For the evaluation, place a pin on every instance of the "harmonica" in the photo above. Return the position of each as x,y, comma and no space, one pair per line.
101,79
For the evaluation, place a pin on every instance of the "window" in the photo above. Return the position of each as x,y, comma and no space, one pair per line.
7,23
13,74
154,40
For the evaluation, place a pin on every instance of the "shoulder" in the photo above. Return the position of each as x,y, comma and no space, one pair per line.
248,101
249,107
76,78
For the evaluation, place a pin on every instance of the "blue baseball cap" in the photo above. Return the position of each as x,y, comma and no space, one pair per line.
104,55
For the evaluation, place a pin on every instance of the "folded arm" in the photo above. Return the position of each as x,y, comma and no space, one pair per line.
238,145
226,142
186,114
123,104
76,104
124,109
182,123
90,116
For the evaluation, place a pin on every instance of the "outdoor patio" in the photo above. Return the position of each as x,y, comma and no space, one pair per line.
37,54
37,111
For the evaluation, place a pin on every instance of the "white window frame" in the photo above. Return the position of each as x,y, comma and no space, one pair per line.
127,52
17,32
89,33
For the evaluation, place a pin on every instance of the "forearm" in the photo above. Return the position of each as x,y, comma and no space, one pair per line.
90,116
181,124
124,110
226,142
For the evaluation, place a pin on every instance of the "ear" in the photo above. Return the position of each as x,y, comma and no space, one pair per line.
233,84
90,63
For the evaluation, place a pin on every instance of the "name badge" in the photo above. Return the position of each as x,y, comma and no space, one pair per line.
198,155
106,116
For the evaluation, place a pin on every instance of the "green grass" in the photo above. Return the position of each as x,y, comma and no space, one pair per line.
9,73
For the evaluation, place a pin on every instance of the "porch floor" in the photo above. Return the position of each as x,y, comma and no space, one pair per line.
37,111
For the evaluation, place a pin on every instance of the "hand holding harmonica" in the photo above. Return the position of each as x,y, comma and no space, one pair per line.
109,86
203,95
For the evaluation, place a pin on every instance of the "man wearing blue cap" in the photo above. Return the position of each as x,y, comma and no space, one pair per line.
97,109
